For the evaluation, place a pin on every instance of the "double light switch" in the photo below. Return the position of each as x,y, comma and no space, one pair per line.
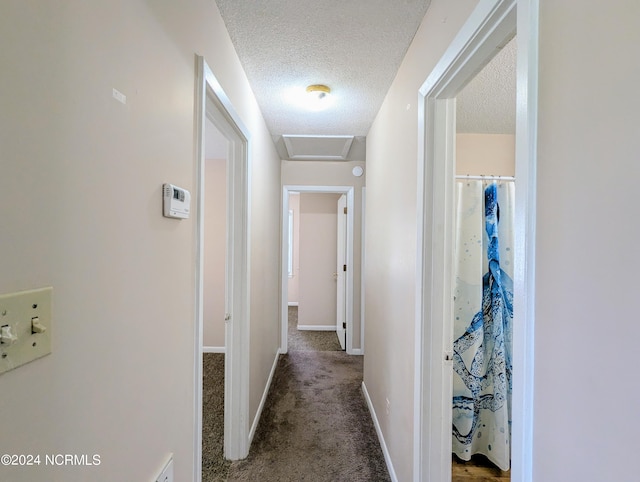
25,327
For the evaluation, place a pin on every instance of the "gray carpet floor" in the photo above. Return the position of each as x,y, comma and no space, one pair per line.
315,425
214,466
301,340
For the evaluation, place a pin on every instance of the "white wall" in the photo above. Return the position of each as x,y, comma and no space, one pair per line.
215,235
325,173
391,230
84,173
485,154
586,370
318,258
292,291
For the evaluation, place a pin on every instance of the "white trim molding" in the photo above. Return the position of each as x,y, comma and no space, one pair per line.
362,271
317,327
491,25
214,349
256,419
383,443
525,236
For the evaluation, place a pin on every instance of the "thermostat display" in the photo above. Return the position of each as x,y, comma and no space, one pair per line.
176,201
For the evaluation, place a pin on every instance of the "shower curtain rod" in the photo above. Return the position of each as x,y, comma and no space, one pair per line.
486,178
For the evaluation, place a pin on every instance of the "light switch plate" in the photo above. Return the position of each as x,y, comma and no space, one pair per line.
27,317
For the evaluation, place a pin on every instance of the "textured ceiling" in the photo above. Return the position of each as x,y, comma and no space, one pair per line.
353,46
487,105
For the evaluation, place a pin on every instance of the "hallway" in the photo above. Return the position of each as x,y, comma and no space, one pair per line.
315,424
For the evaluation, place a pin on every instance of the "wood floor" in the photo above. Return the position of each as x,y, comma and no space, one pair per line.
478,469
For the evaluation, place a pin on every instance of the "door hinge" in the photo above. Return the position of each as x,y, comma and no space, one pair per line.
345,210
344,267
344,325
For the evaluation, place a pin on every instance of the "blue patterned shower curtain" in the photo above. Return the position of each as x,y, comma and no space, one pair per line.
483,312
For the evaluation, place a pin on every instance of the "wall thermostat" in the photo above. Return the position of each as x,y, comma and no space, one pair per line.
176,201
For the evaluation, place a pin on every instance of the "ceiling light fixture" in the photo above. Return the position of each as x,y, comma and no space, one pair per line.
317,96
318,91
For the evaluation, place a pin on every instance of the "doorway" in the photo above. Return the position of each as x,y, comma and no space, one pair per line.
483,210
317,262
345,272
487,30
214,465
212,104
215,237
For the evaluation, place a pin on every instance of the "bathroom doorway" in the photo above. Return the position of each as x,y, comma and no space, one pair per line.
489,28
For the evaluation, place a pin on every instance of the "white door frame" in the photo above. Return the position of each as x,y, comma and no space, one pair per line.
341,275
286,190
488,28
213,103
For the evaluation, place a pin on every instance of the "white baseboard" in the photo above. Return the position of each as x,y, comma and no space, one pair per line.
214,349
356,351
317,327
385,450
254,425
292,303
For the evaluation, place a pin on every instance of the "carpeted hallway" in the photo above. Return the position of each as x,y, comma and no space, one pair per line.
315,425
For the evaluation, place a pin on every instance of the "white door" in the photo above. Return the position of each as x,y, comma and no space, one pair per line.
341,270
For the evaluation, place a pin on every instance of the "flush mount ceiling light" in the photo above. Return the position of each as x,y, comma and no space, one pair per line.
314,97
317,97
318,91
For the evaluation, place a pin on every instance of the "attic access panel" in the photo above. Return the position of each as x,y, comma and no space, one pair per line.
328,148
